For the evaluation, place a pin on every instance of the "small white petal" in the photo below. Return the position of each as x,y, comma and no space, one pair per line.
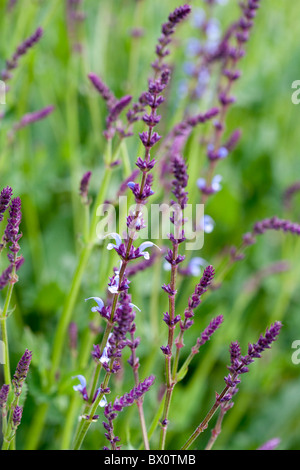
116,237
111,246
103,402
113,289
104,357
99,302
145,245
82,381
134,306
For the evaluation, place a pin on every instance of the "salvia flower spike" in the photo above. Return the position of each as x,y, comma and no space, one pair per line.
21,371
5,198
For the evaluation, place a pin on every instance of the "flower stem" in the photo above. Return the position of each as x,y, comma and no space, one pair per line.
203,426
139,402
169,381
83,429
3,318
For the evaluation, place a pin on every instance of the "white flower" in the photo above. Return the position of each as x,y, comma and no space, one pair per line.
117,238
143,247
81,387
99,302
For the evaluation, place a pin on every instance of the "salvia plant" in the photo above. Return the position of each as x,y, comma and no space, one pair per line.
145,328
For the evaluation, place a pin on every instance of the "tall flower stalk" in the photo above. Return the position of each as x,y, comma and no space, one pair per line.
239,365
126,250
12,419
9,277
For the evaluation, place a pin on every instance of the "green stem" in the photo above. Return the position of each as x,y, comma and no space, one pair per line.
37,426
65,318
83,429
203,426
3,318
170,383
6,366
139,402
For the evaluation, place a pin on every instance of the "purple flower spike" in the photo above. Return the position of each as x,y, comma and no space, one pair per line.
179,14
21,371
84,186
30,118
5,197
201,288
17,416
239,364
271,444
180,181
275,223
209,331
6,277
3,395
21,50
117,109
11,234
104,91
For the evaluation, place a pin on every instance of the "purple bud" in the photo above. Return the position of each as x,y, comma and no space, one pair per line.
84,186
5,198
17,416
21,371
3,395
30,118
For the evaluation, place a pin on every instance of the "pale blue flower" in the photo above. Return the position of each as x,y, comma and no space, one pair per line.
134,306
215,184
195,265
223,152
199,17
144,246
117,238
82,385
207,224
99,302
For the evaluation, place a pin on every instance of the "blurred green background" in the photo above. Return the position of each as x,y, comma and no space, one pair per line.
45,162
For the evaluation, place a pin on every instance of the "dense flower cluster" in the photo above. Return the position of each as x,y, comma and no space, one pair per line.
21,371
5,197
112,409
239,364
11,236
